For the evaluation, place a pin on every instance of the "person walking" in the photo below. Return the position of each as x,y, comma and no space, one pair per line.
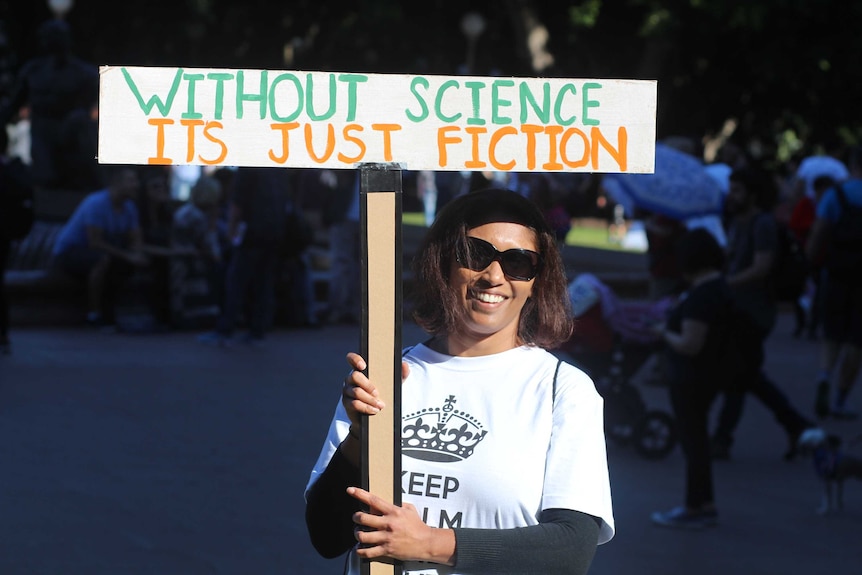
507,440
752,243
836,242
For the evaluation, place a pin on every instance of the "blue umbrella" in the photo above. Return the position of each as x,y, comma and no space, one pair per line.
680,188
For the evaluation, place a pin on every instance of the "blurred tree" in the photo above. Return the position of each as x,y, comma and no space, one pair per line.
772,69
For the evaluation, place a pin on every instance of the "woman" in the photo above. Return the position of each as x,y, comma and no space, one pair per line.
695,336
527,488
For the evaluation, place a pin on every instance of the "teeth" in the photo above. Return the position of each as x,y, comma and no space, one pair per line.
489,298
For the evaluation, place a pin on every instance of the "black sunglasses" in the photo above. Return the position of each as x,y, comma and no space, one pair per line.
517,264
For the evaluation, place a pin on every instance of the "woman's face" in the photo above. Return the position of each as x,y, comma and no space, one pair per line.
492,300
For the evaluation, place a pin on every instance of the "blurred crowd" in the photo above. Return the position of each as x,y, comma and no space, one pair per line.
787,236
233,252
230,250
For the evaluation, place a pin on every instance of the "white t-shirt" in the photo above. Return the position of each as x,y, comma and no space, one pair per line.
486,445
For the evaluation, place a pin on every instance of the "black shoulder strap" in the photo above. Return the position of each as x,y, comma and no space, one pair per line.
556,371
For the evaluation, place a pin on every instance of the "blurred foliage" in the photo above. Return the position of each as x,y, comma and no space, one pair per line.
781,69
585,14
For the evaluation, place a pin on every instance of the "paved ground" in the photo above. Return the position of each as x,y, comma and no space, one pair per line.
155,455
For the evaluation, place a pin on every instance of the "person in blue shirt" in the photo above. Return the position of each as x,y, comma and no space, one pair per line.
836,242
101,243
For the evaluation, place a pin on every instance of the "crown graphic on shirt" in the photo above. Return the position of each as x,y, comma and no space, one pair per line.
440,433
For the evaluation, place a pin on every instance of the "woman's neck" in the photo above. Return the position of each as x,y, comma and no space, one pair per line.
461,345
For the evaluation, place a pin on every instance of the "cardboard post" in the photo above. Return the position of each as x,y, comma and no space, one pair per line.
380,221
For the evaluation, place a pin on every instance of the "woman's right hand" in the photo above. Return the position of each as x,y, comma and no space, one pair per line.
358,394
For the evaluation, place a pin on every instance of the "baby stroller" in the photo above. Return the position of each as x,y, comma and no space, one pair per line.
612,340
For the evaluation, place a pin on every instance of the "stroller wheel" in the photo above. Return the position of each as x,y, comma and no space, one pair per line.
620,433
624,409
655,435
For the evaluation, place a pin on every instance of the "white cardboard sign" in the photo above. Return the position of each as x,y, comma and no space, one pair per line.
150,115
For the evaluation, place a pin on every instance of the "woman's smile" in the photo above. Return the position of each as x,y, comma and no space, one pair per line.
486,297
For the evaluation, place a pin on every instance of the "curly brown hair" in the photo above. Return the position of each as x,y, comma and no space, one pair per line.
546,319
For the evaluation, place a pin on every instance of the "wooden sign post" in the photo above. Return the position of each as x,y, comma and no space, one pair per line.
380,222
210,117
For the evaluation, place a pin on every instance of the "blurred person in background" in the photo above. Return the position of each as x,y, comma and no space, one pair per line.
194,226
426,190
8,65
102,243
341,216
546,194
696,369
295,281
752,246
256,228
53,87
801,221
663,233
16,220
196,270
836,243
156,216
829,163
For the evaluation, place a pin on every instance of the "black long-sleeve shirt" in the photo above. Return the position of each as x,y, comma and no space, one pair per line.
563,543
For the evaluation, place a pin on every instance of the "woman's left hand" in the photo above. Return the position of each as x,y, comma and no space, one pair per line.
398,532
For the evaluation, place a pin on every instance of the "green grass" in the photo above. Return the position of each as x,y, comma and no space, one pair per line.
591,237
585,236
413,218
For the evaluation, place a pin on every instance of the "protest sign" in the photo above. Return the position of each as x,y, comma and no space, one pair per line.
151,115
